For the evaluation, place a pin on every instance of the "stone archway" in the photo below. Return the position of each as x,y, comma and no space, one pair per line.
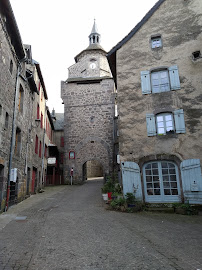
97,154
92,169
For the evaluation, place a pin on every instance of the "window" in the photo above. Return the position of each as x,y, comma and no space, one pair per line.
41,120
165,123
46,151
36,144
6,120
38,112
196,55
40,149
161,80
156,42
161,180
39,86
21,97
17,142
11,67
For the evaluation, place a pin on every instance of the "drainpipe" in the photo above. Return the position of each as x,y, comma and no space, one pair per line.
44,132
13,135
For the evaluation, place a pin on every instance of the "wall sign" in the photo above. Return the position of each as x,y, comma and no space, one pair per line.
71,155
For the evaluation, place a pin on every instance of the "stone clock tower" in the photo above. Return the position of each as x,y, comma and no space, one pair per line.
89,98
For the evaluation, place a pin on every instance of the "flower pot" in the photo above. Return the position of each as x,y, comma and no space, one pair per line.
109,195
105,197
130,205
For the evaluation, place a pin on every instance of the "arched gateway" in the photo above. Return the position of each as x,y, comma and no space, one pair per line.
89,98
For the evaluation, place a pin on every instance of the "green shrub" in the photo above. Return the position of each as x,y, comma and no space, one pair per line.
130,198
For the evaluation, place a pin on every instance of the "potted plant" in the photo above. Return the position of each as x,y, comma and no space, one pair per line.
182,208
108,188
130,199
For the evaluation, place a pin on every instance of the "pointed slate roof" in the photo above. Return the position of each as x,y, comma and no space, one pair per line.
92,46
111,56
94,29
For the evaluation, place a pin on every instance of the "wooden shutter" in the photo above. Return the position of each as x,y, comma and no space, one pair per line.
36,145
62,142
38,110
191,180
145,82
131,179
179,121
40,149
174,78
41,120
151,125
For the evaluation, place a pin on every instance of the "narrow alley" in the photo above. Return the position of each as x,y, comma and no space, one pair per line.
68,227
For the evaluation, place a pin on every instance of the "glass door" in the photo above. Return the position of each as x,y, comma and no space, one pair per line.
161,182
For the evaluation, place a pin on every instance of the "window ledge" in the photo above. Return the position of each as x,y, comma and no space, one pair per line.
167,136
197,60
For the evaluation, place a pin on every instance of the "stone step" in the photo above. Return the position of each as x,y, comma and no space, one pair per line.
160,209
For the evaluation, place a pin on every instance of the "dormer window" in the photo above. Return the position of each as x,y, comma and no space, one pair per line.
156,42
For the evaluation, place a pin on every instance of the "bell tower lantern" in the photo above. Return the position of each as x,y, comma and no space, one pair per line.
94,37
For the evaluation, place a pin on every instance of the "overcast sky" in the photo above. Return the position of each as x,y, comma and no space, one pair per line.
59,30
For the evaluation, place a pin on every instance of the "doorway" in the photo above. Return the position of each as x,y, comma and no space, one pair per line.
92,169
161,182
28,180
34,180
1,183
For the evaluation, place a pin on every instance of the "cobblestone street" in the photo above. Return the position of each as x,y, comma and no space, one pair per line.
67,227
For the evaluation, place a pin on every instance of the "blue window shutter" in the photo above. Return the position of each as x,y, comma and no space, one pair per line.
131,179
151,125
192,180
179,121
145,82
174,78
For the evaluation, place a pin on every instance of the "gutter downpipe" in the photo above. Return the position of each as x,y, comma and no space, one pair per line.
13,136
43,152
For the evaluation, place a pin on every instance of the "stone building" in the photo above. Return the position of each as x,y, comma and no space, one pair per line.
16,92
58,138
40,130
88,96
26,129
157,70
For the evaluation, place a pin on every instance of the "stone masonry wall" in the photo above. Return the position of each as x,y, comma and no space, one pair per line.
180,25
88,125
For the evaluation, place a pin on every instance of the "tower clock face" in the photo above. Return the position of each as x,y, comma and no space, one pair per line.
92,65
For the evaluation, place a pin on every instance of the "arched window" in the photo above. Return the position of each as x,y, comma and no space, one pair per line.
161,181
